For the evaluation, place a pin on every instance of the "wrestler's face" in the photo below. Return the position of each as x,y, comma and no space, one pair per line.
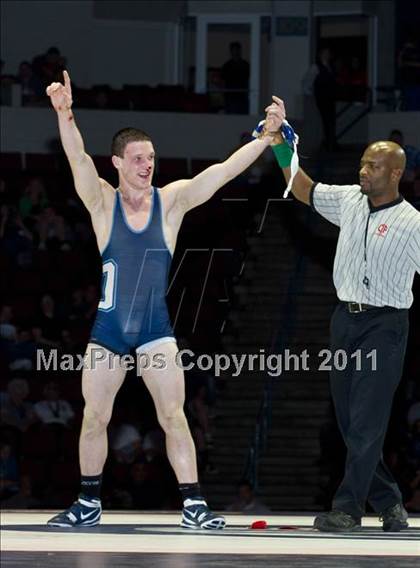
375,173
137,165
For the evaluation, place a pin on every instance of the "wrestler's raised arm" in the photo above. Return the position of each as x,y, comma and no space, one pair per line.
86,178
193,192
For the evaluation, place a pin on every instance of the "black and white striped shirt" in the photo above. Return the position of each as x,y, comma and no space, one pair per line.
378,249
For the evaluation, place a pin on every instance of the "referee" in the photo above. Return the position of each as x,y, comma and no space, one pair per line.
378,253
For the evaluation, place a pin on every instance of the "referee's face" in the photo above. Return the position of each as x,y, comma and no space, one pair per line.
380,170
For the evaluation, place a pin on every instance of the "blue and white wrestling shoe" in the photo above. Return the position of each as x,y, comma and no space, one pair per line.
197,515
84,512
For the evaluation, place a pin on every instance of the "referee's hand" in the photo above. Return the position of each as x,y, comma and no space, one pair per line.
276,113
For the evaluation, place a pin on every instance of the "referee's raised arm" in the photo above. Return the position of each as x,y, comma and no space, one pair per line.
302,183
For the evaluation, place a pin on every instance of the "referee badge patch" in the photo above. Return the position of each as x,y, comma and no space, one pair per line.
381,230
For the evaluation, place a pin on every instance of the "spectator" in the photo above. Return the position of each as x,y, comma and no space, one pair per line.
53,409
8,330
325,95
34,199
247,502
49,320
308,80
16,413
125,442
52,230
22,352
235,74
49,66
16,239
68,345
42,342
6,82
78,305
412,154
32,87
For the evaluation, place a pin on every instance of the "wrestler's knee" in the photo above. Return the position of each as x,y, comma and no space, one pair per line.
172,419
95,419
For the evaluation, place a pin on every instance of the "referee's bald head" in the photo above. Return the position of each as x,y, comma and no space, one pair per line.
381,168
392,153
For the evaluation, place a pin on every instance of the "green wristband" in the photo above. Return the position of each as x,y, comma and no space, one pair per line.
283,154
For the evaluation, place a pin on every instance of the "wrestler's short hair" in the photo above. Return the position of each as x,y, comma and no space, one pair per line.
124,137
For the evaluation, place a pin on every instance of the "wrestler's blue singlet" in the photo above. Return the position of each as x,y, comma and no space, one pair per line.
135,270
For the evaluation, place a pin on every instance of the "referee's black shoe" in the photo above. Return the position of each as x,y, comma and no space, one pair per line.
336,521
394,519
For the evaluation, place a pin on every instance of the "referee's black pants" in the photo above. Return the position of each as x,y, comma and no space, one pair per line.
363,398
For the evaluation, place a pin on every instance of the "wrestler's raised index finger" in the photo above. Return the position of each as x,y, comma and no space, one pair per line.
67,82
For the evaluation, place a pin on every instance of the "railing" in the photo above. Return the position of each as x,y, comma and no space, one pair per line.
367,108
